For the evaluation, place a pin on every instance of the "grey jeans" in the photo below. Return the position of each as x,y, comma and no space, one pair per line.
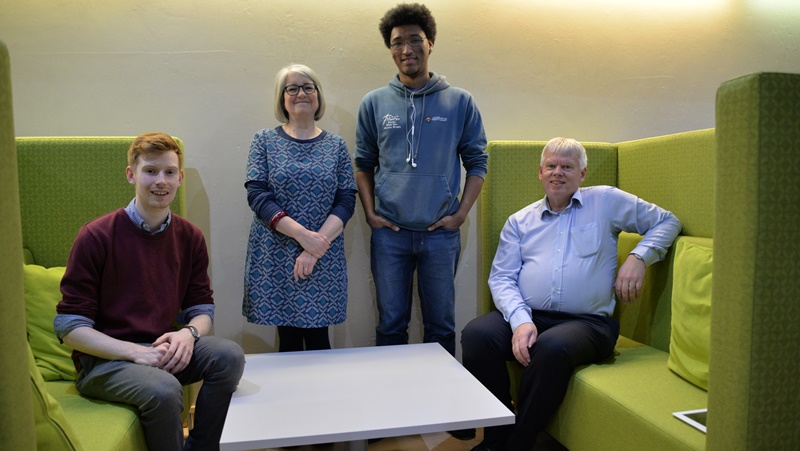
158,395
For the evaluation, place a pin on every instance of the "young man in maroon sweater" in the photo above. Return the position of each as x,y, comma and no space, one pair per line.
130,276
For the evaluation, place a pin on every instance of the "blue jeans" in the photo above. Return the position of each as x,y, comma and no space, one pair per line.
395,257
158,395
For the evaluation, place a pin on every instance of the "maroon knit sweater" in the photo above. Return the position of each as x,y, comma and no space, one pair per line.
132,283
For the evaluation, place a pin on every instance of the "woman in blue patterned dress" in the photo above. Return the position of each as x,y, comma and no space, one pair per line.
301,188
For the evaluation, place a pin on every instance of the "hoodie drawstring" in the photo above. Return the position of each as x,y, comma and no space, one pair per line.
413,151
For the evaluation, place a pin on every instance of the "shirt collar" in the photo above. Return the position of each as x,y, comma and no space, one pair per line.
544,207
137,219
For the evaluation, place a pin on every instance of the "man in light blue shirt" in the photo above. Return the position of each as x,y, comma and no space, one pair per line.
555,283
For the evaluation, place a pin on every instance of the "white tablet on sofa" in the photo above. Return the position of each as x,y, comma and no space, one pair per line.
695,418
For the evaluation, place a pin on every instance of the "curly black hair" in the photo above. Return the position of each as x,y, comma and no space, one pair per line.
408,14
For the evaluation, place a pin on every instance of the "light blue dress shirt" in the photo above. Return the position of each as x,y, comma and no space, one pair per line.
567,261
137,219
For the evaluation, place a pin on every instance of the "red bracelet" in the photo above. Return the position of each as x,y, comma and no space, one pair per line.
277,217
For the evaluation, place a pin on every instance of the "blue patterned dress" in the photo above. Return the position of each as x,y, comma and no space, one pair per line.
304,176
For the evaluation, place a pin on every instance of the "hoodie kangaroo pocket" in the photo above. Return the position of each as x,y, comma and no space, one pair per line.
412,200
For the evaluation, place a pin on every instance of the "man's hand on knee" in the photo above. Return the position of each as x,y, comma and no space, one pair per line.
524,337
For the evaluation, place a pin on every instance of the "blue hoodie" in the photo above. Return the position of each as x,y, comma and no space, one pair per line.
414,142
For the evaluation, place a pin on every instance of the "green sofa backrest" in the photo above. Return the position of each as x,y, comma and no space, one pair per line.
674,172
65,182
755,315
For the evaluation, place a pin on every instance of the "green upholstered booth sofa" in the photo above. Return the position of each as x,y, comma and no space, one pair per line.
684,346
49,187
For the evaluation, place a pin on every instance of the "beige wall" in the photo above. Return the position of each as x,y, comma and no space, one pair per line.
203,70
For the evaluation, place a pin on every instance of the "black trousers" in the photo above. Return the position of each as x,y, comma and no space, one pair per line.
565,341
302,339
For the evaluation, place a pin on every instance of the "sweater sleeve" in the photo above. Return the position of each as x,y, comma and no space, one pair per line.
82,279
260,197
261,200
344,201
198,290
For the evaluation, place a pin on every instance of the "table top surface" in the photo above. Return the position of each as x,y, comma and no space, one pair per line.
337,395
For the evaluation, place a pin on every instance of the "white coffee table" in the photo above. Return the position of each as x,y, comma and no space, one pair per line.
352,395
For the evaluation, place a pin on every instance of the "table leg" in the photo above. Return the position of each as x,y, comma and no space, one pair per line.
357,445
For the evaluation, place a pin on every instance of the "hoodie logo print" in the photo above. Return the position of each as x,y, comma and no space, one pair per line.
391,121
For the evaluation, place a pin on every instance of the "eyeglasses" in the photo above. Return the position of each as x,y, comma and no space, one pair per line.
413,43
293,90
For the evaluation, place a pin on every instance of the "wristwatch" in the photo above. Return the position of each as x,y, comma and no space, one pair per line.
195,332
638,257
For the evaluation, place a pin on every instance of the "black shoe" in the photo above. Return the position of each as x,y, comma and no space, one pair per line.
463,434
483,446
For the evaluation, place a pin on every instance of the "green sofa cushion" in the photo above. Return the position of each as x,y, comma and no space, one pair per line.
92,424
627,403
689,348
53,431
648,319
103,425
27,257
42,293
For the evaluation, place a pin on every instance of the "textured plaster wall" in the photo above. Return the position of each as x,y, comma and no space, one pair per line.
203,70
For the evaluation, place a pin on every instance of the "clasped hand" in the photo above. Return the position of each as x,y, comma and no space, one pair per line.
304,265
171,352
315,243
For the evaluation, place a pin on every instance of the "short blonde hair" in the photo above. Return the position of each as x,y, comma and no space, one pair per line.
566,147
153,143
280,83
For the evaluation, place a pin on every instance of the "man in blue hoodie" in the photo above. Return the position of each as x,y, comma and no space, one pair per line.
411,140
